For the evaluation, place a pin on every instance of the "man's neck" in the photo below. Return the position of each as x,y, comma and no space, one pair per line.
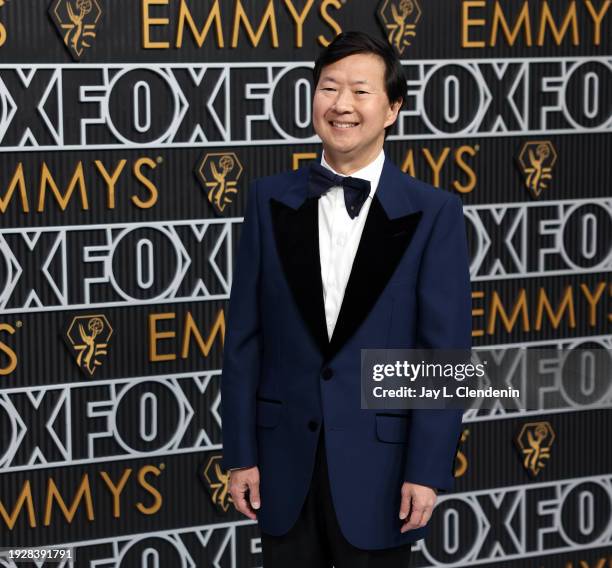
346,165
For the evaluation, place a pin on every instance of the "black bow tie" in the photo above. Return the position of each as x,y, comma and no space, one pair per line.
356,190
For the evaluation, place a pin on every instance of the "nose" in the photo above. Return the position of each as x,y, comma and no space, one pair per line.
344,101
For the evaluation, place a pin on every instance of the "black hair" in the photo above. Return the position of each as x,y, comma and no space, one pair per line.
352,42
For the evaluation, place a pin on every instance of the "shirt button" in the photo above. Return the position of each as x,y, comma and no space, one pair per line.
313,426
327,374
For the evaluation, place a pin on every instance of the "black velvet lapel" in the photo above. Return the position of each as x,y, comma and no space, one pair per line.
382,245
386,235
296,232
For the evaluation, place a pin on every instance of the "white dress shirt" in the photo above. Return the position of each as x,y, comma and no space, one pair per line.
339,237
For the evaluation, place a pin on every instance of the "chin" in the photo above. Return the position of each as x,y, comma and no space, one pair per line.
342,148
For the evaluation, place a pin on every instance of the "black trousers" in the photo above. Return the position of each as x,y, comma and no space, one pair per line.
315,541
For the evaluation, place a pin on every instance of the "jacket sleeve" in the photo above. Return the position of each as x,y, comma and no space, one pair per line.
242,348
444,321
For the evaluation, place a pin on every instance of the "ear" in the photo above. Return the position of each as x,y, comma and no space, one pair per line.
393,111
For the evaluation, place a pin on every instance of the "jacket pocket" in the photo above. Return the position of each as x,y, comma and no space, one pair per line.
268,412
392,428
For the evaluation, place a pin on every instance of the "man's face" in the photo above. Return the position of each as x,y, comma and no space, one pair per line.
351,108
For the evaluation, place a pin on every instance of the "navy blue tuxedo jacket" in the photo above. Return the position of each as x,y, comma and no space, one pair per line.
283,379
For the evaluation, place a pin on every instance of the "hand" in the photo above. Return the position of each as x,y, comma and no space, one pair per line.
244,489
416,505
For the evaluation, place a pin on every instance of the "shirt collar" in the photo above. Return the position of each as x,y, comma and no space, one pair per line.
371,172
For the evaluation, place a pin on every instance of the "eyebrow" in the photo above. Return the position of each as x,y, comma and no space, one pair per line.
358,82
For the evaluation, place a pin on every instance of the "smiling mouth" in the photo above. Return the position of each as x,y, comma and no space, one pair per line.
343,125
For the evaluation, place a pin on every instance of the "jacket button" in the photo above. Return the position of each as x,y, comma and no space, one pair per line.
312,425
327,374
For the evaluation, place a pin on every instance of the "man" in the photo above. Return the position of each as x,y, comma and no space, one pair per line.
334,258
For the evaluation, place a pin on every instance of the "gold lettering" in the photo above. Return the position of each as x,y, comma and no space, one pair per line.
84,491
110,180
241,17
25,497
459,152
567,302
601,563
468,22
593,300
47,179
116,489
327,18
299,19
597,17
4,348
145,182
155,336
436,166
18,180
190,328
157,502
2,35
299,156
477,312
496,306
522,20
199,36
408,164
148,22
546,17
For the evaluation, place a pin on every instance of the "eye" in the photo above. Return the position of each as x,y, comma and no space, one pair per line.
327,89
362,92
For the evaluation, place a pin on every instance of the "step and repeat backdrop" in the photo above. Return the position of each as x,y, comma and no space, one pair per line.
129,132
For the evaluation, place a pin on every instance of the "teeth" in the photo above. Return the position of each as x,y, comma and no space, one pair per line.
344,124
